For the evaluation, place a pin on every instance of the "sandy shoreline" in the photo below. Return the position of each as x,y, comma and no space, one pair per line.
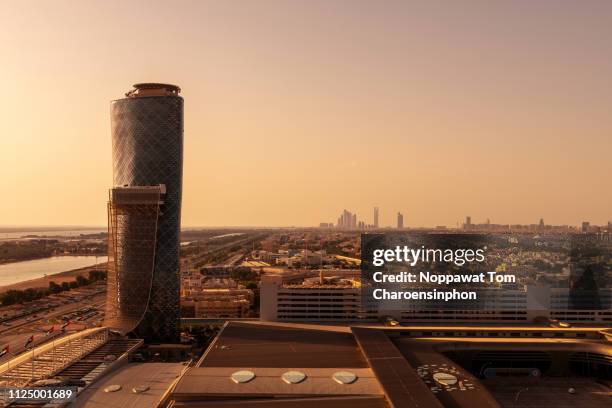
43,282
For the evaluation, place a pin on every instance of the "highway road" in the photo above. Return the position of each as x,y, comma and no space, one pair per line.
210,247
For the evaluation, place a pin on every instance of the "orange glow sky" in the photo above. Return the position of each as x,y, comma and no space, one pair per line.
297,110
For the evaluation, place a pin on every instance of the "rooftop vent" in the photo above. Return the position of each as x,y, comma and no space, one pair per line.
293,377
242,376
140,389
344,377
445,378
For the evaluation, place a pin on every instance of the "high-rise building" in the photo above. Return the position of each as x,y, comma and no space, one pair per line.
468,222
347,220
375,217
400,220
144,212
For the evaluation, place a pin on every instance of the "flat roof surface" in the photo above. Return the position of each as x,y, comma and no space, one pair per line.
403,387
355,401
442,344
216,381
256,345
269,350
467,392
393,370
157,376
549,391
479,327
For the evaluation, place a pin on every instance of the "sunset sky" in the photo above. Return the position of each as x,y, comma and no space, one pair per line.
297,110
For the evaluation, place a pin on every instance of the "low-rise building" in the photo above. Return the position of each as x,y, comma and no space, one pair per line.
217,303
341,300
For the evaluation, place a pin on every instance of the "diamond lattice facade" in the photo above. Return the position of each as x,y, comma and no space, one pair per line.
147,139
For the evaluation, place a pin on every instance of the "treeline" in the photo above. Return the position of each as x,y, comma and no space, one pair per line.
15,251
23,251
243,275
14,296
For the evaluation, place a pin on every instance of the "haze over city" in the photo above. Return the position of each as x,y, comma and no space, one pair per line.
296,110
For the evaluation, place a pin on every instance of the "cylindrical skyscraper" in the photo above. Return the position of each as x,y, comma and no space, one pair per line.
145,212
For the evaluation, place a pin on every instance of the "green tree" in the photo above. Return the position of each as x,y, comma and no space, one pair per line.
54,287
11,297
81,280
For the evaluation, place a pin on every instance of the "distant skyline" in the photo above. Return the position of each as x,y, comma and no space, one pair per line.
296,110
459,223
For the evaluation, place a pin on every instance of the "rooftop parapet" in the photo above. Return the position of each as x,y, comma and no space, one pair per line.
149,89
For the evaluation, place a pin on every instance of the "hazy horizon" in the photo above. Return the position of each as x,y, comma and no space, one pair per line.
53,227
297,110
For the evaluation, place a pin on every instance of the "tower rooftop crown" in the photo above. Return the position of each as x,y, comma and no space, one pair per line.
153,89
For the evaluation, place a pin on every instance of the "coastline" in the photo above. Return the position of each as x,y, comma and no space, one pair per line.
36,258
59,278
